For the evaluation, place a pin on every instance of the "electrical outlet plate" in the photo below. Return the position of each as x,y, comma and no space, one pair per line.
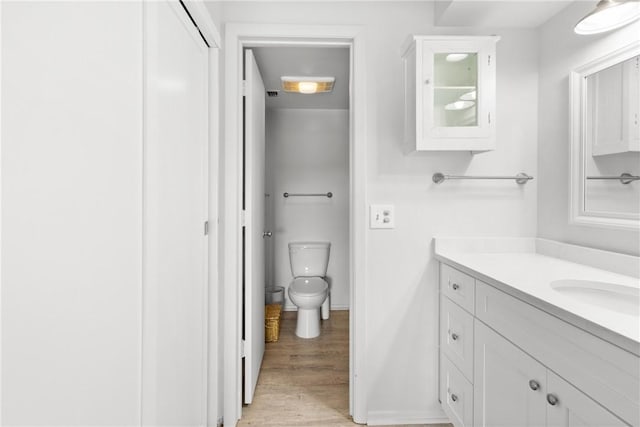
382,216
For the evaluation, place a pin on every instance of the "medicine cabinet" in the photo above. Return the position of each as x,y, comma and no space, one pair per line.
449,93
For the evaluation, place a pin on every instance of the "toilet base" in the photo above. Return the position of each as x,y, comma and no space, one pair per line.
308,323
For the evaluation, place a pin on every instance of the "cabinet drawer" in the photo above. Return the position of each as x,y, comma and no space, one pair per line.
606,373
456,394
456,336
459,287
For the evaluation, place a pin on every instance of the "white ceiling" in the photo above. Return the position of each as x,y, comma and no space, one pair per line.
502,13
275,62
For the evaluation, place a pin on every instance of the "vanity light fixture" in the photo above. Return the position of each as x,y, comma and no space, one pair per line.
456,57
609,15
307,85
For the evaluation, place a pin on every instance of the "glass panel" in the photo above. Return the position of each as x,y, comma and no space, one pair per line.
455,89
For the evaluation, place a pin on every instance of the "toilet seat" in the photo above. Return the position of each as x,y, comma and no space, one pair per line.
308,286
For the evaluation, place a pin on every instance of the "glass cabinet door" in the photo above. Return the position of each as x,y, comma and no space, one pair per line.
455,79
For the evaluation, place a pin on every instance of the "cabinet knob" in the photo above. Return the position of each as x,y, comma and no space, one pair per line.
267,234
454,397
455,336
455,286
534,385
427,81
552,399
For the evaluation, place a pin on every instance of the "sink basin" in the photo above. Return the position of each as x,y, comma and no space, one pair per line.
611,296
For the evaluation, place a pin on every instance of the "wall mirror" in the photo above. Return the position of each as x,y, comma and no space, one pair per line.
605,152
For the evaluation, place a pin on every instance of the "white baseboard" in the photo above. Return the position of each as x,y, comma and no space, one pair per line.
333,307
382,418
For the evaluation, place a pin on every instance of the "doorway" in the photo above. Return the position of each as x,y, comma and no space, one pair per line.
296,189
239,37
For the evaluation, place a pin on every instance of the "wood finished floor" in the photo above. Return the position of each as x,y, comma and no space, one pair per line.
305,382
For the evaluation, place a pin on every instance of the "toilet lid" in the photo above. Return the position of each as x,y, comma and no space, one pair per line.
308,286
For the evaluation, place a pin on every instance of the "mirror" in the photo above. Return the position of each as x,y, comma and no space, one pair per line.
605,176
456,89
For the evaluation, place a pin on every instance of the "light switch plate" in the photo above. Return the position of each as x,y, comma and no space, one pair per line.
381,216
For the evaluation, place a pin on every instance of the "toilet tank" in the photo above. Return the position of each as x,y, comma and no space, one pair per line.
309,259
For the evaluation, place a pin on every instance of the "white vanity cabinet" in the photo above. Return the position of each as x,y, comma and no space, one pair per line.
524,366
513,389
449,93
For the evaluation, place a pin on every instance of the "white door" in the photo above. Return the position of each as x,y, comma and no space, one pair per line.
175,154
254,219
509,385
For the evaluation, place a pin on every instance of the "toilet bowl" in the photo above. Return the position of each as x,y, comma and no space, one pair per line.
308,290
308,294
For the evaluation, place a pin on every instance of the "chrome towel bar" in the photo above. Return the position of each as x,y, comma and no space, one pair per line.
625,178
328,195
520,178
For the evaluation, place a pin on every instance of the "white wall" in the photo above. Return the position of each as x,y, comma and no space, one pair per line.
561,50
71,213
76,297
401,283
308,152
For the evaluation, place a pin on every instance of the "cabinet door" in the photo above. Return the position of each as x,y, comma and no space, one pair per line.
569,407
509,385
459,89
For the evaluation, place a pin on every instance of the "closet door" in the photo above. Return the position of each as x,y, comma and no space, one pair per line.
71,213
175,311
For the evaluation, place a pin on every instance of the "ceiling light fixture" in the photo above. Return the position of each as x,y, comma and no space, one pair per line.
459,105
609,15
307,85
469,96
456,57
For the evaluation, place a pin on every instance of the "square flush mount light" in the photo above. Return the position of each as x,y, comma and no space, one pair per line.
307,85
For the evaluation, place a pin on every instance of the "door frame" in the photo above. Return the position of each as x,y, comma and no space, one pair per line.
237,37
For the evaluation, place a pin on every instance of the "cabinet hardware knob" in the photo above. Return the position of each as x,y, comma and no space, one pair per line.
534,385
455,286
427,81
455,337
267,234
454,397
552,399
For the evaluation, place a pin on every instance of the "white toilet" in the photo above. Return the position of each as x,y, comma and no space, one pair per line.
308,290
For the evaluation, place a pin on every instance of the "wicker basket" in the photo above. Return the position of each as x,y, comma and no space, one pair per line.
272,322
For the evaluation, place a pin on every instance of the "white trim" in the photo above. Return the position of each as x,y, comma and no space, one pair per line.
202,17
1,400
213,396
237,36
577,214
340,307
381,418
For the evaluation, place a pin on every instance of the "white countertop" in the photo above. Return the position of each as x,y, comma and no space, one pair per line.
526,274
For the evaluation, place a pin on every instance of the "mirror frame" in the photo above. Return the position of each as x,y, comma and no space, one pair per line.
577,214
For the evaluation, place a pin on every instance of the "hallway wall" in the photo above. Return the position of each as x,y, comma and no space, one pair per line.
308,152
